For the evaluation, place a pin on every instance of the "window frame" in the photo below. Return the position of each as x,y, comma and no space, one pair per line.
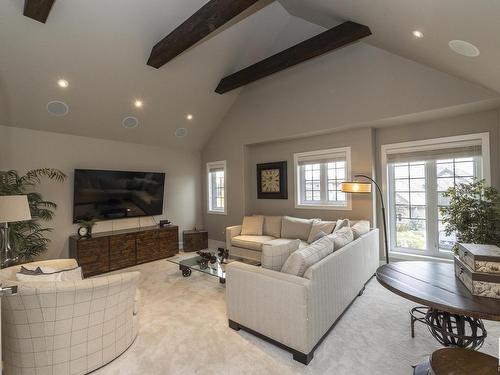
432,236
299,185
212,165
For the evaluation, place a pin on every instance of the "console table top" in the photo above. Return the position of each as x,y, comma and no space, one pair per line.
433,284
123,231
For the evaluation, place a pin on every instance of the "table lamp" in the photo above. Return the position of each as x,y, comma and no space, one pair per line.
13,208
359,187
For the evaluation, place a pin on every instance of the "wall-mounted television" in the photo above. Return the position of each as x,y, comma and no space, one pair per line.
109,195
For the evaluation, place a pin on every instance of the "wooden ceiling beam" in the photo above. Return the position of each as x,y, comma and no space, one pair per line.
38,9
338,36
206,20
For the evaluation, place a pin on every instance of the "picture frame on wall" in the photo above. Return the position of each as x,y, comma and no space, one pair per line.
272,181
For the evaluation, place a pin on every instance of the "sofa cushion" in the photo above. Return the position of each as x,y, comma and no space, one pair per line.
250,242
341,237
360,228
252,225
320,226
272,226
341,223
299,261
276,252
294,227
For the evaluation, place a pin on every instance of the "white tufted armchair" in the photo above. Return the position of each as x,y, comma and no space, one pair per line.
66,327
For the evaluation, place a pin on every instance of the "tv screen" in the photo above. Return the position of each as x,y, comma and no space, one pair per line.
107,195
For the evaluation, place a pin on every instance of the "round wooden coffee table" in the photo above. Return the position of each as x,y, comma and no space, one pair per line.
453,315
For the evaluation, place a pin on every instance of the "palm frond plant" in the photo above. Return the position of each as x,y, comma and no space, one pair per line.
473,214
28,238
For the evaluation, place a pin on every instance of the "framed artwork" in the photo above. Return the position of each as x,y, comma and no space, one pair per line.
272,180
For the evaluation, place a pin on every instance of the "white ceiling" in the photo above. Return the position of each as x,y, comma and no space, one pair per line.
101,48
392,23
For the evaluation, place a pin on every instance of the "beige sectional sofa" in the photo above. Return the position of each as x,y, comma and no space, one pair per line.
276,230
297,312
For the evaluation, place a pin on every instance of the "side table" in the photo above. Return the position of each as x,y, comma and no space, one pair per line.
194,240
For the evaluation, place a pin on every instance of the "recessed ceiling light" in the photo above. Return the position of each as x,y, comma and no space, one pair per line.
181,132
189,117
57,108
464,48
130,122
62,83
418,34
138,103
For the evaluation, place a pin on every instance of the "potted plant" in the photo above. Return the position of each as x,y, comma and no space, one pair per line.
28,238
473,214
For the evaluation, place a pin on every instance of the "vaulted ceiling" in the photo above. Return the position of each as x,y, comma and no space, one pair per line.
101,48
440,21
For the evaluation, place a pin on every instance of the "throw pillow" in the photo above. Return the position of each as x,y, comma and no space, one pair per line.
299,261
341,237
252,225
319,236
40,270
276,252
342,223
74,274
360,228
320,226
294,227
272,226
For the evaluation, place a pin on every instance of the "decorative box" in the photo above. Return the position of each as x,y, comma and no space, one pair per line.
478,268
480,258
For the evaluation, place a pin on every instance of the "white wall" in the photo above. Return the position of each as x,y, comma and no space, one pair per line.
23,149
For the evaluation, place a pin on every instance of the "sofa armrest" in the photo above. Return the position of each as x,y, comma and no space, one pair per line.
232,232
337,279
269,302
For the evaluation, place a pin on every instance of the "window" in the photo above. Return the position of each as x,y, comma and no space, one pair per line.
216,172
318,175
417,175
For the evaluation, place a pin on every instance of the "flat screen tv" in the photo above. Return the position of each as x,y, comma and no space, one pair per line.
108,195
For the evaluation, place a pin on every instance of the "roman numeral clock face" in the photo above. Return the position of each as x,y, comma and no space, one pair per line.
270,180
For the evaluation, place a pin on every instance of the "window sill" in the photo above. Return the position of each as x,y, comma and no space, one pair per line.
401,256
325,207
217,212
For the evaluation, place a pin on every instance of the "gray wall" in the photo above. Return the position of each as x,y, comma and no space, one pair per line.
360,141
365,143
355,87
23,149
481,122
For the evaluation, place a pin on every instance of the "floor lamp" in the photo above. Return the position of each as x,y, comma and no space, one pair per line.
357,187
13,208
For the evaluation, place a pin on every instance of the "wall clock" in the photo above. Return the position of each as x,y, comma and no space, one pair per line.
272,180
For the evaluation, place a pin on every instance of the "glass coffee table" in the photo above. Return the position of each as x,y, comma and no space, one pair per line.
213,263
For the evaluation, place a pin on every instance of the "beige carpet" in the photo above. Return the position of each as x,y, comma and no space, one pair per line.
184,331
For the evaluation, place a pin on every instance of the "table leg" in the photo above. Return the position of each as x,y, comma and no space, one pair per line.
186,271
417,314
450,329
